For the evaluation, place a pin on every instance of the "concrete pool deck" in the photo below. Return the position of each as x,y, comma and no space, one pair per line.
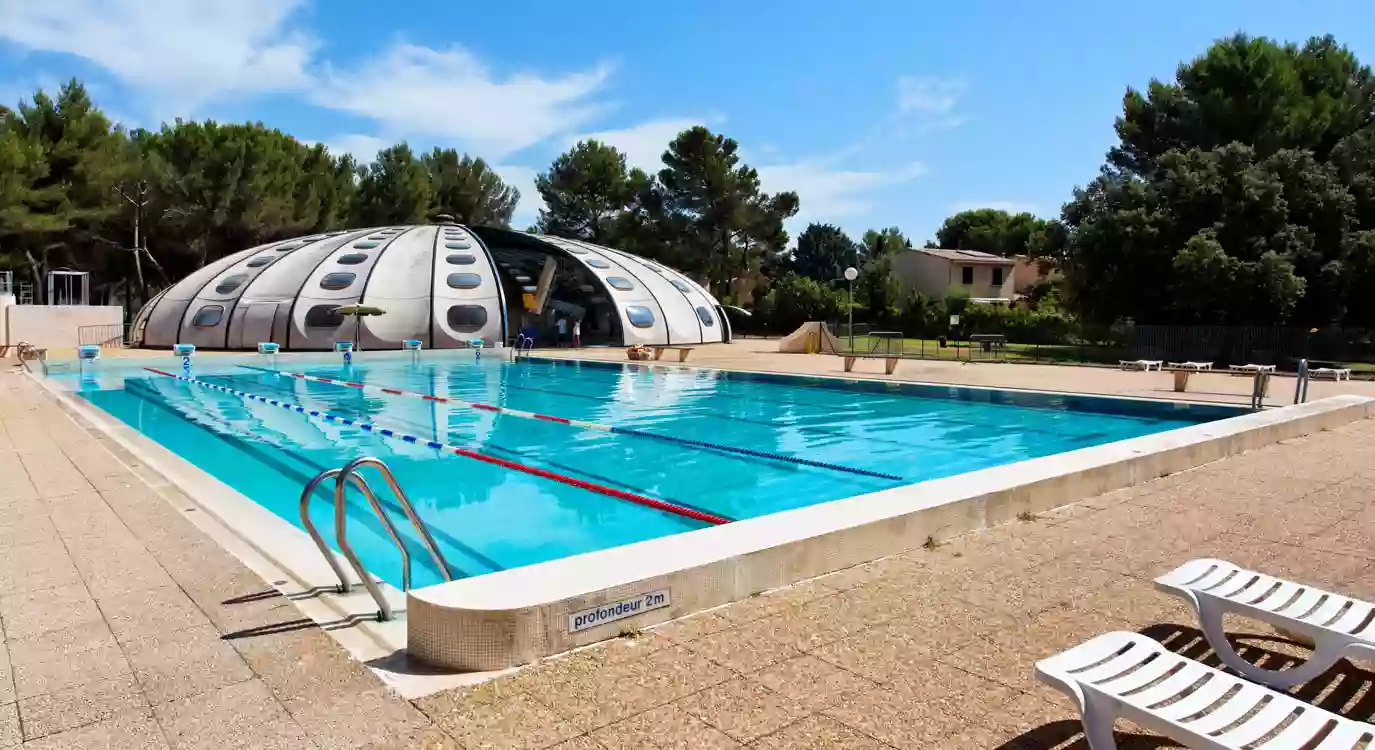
122,625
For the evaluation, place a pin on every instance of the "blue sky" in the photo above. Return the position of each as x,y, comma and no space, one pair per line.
878,112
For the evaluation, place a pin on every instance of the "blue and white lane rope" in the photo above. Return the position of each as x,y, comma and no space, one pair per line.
651,502
768,455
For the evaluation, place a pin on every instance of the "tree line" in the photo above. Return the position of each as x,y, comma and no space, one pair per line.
1240,192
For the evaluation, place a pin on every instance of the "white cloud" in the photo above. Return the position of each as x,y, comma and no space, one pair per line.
417,91
362,147
828,193
929,96
643,144
1012,207
180,53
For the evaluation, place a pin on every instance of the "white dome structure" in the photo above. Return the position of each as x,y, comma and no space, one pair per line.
443,284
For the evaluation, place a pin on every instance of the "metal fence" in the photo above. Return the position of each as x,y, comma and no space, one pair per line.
110,336
1221,345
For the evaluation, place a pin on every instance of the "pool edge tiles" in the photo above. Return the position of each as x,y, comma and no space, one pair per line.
517,616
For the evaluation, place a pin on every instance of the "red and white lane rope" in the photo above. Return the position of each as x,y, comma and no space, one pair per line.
657,504
769,455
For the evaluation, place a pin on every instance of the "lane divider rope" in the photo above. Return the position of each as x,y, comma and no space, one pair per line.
585,424
466,453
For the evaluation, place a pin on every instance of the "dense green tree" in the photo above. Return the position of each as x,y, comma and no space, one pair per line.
467,189
711,203
217,188
396,188
877,243
990,230
69,158
1248,90
794,300
823,253
586,191
1239,193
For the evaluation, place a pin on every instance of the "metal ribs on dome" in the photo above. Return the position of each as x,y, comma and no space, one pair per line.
444,284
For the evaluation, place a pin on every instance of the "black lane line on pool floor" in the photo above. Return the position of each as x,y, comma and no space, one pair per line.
368,519
357,413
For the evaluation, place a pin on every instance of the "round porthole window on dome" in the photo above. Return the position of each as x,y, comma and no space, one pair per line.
619,282
460,259
467,318
323,316
464,280
640,317
230,283
680,285
457,245
338,280
574,249
352,259
598,263
208,316
260,261
704,315
366,245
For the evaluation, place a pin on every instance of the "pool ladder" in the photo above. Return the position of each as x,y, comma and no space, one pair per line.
522,347
342,477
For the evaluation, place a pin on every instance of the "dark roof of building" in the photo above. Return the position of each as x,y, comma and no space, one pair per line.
976,257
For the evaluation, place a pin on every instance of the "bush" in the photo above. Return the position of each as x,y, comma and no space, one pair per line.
794,300
923,317
1020,326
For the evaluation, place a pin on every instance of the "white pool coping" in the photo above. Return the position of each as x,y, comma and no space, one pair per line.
516,616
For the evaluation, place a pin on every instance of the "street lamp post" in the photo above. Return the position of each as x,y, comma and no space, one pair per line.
850,275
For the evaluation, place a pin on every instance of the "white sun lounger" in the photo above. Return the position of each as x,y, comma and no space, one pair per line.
1249,369
1192,365
1339,625
1141,364
1336,373
1131,676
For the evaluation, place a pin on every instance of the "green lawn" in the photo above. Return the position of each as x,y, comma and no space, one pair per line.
973,351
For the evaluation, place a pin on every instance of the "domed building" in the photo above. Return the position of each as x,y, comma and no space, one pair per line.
442,283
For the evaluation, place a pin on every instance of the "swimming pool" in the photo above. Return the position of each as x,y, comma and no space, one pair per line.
741,445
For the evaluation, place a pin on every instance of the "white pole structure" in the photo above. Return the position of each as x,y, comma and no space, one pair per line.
850,275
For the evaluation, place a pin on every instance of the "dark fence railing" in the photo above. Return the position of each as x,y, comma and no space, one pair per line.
110,336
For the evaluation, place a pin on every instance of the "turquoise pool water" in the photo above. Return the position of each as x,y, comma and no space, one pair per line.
487,517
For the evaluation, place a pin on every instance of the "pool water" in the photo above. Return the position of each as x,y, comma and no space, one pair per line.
487,517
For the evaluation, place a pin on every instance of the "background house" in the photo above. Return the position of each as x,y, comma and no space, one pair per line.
936,273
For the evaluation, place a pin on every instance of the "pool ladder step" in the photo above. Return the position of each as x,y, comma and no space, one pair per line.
522,347
342,477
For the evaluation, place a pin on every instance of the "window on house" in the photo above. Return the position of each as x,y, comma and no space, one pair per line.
997,277
967,275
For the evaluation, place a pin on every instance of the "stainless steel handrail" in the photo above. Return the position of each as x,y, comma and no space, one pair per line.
522,347
341,478
1301,383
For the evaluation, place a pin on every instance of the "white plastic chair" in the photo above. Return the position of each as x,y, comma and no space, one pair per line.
1339,626
1130,676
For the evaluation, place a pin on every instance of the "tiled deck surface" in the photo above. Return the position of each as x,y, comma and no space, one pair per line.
121,625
